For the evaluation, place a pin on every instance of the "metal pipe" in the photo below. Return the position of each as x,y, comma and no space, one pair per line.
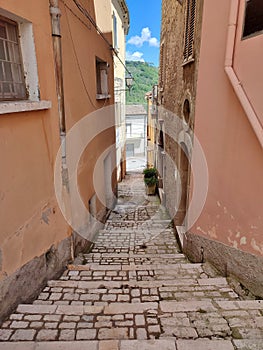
229,69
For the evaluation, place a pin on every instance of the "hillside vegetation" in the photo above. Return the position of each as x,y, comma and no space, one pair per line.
145,76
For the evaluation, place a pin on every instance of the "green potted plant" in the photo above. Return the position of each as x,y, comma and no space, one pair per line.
150,180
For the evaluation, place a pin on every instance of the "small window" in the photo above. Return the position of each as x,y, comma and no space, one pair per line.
129,130
102,79
189,30
12,84
130,150
115,32
253,18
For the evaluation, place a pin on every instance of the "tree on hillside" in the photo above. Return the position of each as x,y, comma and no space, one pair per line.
145,76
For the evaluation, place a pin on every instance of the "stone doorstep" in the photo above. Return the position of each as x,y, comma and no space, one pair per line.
164,344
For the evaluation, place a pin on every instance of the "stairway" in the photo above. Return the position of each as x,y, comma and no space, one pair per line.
135,290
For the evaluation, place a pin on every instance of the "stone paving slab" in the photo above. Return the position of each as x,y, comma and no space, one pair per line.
204,345
248,344
172,306
125,345
148,345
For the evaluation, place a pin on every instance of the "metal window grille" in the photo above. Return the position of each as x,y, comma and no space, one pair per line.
12,84
190,30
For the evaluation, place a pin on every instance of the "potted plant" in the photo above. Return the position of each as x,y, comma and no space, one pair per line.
150,180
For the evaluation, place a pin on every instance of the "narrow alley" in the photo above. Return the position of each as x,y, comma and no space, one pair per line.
135,290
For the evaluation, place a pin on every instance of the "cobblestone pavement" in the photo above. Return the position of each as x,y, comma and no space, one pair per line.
135,290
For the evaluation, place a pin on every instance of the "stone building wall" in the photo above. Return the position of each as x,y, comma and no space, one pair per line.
177,83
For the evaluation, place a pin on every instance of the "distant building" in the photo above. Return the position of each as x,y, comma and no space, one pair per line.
136,128
121,23
40,101
211,78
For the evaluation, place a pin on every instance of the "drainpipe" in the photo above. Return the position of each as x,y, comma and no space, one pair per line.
56,37
229,69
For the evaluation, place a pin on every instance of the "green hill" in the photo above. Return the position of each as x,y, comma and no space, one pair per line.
145,76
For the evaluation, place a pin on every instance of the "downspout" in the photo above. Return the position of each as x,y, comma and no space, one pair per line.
57,49
56,36
236,84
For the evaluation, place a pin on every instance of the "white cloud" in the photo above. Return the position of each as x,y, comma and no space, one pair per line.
146,34
136,40
134,56
146,37
154,42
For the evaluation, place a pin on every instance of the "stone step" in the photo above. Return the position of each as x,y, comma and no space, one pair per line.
164,344
173,306
147,272
97,293
133,255
210,282
119,321
114,308
128,258
133,267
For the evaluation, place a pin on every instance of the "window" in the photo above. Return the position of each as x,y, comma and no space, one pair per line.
115,32
130,150
12,84
129,130
102,79
189,30
253,18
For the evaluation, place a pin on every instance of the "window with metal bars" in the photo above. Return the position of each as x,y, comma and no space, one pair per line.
12,83
189,30
253,18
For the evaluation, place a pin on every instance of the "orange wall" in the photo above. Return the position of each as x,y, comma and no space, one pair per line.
29,142
248,64
233,210
30,218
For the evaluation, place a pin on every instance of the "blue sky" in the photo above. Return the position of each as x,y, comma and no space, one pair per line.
143,39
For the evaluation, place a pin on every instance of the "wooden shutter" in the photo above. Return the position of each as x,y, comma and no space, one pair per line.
190,30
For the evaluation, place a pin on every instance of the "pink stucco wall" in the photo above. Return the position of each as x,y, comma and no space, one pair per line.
233,211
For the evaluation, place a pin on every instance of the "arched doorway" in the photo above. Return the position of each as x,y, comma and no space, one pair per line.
184,169
186,111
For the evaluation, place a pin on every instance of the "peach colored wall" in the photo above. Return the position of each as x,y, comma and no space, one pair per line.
81,46
233,210
248,64
29,215
29,142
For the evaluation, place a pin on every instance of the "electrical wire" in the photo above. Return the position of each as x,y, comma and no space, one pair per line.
78,63
92,21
